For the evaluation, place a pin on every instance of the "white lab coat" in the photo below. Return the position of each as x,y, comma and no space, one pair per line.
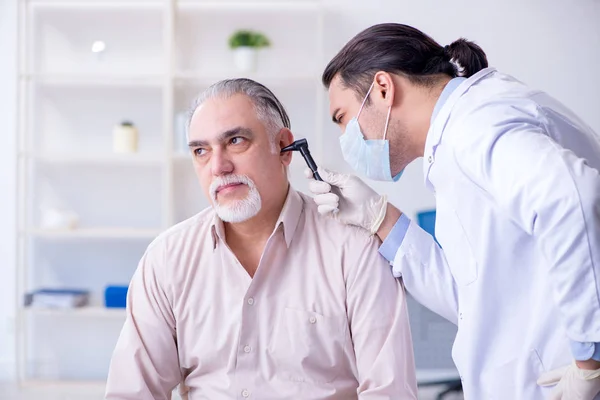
517,187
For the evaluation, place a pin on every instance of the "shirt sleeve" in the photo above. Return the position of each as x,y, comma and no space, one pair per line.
422,264
392,242
583,351
379,327
551,193
145,363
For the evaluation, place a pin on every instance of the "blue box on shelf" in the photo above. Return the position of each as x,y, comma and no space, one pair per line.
115,296
426,220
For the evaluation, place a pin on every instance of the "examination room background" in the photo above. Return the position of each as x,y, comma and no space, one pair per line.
553,45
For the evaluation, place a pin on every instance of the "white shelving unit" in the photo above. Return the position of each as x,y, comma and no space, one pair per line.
158,56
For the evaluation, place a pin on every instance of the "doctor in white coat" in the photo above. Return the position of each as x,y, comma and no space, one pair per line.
517,185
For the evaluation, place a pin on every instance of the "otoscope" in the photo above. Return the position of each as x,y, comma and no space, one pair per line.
301,145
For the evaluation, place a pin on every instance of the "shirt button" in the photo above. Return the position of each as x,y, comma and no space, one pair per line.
430,159
245,393
313,320
247,349
250,301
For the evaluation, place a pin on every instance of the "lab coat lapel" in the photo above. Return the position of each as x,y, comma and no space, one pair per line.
436,130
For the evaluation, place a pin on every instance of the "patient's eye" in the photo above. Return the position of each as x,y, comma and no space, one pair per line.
199,151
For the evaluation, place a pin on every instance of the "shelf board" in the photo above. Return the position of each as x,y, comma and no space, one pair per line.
260,5
95,233
110,4
89,311
92,79
95,159
186,77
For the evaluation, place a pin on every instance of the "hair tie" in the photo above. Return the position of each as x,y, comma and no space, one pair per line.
447,52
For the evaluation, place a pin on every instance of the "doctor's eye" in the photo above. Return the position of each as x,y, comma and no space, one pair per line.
339,118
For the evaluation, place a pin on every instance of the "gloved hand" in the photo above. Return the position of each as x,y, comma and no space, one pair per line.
347,199
572,383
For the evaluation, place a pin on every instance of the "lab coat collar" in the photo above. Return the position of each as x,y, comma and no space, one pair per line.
288,219
441,112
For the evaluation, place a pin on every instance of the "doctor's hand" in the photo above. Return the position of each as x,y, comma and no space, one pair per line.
348,199
572,383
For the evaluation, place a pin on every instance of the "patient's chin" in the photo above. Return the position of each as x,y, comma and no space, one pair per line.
239,210
235,214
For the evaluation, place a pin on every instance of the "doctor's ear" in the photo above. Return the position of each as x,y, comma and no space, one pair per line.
284,138
384,88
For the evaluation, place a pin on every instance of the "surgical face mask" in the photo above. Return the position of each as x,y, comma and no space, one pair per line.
368,157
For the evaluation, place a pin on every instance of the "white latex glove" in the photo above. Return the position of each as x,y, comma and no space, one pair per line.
348,199
572,383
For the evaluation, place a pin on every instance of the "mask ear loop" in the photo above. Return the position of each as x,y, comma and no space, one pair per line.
364,100
387,120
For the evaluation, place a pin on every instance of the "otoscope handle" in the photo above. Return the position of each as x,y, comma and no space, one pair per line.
310,162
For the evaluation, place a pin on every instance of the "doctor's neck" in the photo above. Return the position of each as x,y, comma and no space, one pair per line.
411,115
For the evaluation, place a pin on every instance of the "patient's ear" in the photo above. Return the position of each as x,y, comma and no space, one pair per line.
286,137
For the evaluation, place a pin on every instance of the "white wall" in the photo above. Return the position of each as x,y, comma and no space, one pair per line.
553,45
7,184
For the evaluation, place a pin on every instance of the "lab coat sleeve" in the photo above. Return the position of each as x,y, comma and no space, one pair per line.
379,326
427,277
550,193
145,363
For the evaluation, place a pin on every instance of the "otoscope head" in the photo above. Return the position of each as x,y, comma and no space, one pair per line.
297,145
301,145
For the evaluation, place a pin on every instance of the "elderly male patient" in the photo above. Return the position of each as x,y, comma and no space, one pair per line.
258,296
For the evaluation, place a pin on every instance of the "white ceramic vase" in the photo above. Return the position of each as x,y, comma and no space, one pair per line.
245,58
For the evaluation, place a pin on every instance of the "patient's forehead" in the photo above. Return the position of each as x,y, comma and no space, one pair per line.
220,114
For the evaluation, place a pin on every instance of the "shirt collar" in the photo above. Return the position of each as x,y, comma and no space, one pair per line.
448,89
290,215
288,219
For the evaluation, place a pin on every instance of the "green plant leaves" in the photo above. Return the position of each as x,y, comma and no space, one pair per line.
248,38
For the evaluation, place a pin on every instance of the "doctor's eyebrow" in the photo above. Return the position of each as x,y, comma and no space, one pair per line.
224,136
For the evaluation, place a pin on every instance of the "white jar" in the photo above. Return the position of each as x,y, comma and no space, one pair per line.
125,138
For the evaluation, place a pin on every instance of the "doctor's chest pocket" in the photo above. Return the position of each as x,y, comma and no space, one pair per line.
307,346
455,244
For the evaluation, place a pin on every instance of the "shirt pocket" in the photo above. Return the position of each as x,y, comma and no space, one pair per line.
452,238
308,346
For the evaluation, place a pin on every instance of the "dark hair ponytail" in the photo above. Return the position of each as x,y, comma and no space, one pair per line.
401,49
467,57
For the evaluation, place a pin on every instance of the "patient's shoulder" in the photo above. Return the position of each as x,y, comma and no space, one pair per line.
195,229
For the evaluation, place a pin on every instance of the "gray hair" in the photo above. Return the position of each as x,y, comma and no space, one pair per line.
268,108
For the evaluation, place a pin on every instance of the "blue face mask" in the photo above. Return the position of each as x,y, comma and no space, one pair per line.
368,157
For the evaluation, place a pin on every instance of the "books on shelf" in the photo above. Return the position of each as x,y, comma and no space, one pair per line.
57,298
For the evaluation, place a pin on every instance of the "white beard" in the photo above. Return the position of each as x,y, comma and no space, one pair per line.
237,210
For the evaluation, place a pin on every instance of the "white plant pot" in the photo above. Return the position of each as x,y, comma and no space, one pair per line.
245,58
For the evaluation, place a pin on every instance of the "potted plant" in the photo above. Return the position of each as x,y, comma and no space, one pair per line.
245,45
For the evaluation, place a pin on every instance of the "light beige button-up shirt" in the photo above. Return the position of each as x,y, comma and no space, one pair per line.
323,317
